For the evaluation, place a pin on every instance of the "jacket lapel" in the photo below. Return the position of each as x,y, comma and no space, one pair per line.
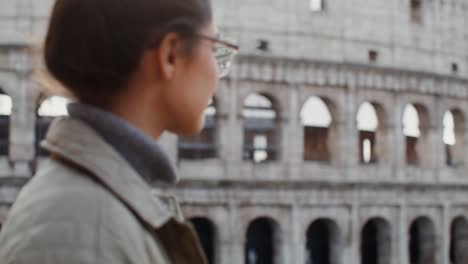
86,149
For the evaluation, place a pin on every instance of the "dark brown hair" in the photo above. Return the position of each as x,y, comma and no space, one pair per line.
93,46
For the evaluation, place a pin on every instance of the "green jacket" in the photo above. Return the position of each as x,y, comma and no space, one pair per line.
86,204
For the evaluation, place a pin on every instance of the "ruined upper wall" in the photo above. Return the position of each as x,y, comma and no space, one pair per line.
346,30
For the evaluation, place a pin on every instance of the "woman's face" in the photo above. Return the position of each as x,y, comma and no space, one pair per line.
195,83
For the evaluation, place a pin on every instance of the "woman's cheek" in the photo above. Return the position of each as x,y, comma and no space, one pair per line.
194,112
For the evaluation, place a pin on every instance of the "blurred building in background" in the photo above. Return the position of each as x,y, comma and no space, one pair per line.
340,136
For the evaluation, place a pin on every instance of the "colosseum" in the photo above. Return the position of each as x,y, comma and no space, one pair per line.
339,137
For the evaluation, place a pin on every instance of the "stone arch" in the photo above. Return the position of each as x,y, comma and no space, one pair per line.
47,109
459,240
376,240
423,241
454,137
261,128
263,242
203,145
319,135
417,140
208,236
323,242
383,105
52,106
220,218
376,135
381,101
331,103
276,93
6,107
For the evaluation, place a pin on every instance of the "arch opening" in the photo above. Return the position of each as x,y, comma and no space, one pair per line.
49,109
422,246
261,126
459,241
322,242
415,128
376,242
317,122
6,106
453,138
206,232
368,123
204,144
317,5
416,11
263,242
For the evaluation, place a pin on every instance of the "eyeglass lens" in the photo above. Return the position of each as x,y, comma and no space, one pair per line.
224,56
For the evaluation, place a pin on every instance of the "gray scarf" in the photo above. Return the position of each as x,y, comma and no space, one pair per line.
141,152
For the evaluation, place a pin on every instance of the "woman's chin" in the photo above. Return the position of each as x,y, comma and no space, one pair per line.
189,130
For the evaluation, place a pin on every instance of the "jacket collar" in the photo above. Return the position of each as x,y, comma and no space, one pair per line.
140,151
87,150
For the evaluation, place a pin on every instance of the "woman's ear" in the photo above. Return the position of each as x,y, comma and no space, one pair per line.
167,54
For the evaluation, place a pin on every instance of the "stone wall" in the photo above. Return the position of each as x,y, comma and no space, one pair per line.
323,54
345,31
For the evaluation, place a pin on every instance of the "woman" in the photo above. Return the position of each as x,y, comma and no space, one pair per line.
137,68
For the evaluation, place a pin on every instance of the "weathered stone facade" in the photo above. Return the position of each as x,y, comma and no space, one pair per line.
386,206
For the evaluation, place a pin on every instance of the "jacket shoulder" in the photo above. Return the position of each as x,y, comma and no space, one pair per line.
62,208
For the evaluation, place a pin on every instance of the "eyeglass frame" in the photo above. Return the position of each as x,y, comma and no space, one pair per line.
225,43
216,39
220,41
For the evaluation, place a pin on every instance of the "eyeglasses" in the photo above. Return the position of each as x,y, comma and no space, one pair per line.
224,52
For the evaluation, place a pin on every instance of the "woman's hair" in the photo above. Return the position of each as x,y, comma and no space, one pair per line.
93,46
